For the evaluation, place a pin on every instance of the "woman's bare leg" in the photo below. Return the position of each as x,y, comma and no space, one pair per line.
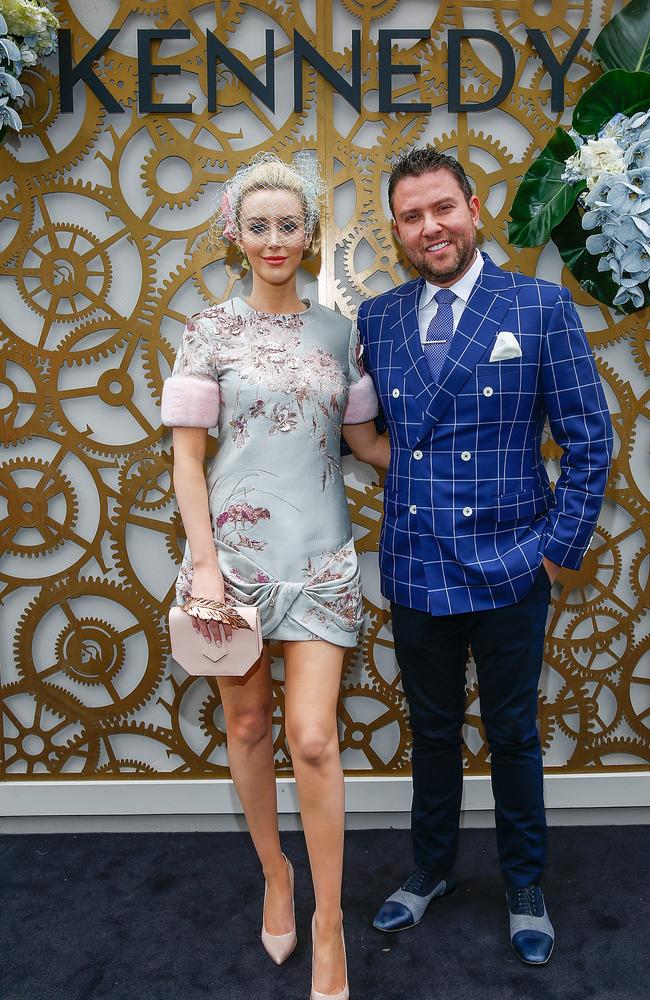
247,704
313,676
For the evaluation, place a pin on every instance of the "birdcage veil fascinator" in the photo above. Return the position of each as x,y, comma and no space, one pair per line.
267,172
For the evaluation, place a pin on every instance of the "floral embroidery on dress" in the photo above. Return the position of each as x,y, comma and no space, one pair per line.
262,348
327,573
240,433
184,580
233,523
246,542
283,418
242,513
283,382
347,607
240,517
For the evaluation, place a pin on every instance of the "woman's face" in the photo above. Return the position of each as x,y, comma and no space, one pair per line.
272,233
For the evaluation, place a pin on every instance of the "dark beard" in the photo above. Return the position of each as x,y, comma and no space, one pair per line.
466,253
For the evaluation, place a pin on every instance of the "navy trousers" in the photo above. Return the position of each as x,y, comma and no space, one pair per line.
508,647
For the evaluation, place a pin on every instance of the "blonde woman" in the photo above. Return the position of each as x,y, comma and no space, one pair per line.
279,376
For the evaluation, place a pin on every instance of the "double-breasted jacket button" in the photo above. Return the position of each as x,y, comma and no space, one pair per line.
465,455
395,393
467,511
488,391
413,509
417,454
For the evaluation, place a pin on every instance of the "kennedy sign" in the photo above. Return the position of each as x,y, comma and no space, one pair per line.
303,51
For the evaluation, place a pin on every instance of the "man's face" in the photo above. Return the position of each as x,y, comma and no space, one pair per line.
435,225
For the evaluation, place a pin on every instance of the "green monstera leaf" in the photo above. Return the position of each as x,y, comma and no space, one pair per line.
569,237
624,43
543,198
615,91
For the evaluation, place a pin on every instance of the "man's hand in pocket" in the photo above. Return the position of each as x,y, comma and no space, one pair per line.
552,569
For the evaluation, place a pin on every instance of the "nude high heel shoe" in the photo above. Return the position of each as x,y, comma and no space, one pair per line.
345,992
280,946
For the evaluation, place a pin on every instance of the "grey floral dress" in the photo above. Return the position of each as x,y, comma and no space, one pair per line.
278,507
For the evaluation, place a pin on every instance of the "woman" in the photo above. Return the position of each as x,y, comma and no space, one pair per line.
279,375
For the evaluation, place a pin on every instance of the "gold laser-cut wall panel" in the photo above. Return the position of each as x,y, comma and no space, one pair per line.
103,252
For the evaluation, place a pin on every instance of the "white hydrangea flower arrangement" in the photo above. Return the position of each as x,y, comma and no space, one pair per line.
616,169
27,33
588,190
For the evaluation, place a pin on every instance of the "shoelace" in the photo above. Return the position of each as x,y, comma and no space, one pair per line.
415,882
529,900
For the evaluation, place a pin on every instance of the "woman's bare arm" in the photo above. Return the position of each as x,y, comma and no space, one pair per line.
366,444
192,495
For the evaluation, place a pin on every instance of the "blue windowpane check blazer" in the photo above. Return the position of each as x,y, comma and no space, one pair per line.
468,508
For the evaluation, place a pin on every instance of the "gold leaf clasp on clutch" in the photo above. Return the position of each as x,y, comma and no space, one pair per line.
214,611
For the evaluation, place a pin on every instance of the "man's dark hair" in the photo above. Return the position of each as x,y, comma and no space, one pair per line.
426,161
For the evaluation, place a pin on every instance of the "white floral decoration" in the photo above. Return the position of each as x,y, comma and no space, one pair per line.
27,33
615,166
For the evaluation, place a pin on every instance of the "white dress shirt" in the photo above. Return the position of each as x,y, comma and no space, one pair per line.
461,289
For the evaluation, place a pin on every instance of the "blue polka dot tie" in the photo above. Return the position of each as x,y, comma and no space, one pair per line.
439,332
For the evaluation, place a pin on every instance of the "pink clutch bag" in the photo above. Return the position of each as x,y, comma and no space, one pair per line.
199,657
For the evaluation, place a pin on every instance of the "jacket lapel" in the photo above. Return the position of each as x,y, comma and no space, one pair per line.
405,334
489,301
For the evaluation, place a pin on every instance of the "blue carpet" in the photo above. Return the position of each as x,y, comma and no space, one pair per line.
176,917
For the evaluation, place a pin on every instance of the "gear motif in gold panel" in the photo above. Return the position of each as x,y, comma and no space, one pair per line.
85,668
212,726
637,691
585,708
53,276
16,217
119,424
510,19
79,368
52,150
599,574
25,408
31,489
475,749
371,723
64,272
119,72
209,142
161,217
195,728
33,734
40,520
146,504
93,753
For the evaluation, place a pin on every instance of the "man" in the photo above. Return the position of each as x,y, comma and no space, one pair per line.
468,361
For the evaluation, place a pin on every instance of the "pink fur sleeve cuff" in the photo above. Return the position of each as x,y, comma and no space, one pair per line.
362,402
190,402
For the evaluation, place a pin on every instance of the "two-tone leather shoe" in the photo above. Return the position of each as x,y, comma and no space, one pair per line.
406,907
531,932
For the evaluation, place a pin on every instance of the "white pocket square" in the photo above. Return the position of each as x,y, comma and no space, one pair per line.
507,346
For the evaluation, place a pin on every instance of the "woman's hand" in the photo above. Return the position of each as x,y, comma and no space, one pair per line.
208,583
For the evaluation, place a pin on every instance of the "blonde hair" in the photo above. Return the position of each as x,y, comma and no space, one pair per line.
267,172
